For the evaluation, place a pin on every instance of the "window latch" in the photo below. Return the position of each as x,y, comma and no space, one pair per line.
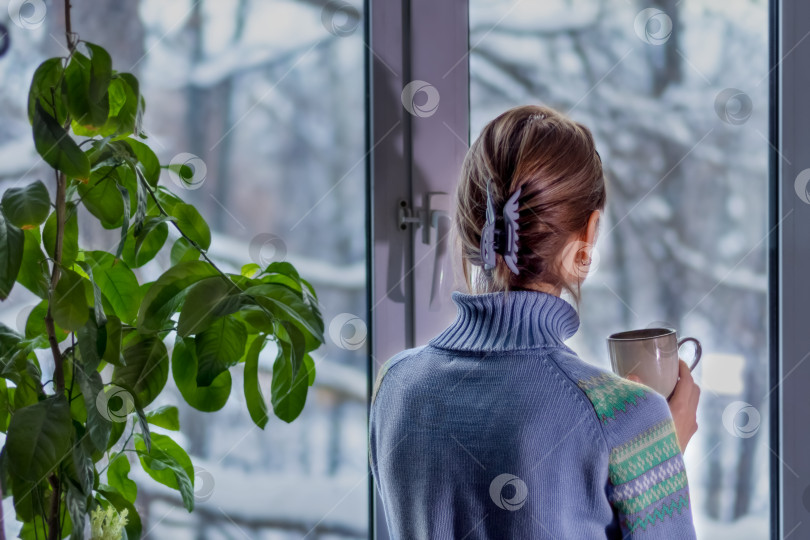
425,216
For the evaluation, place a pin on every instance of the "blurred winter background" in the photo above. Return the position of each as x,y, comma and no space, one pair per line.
270,95
676,94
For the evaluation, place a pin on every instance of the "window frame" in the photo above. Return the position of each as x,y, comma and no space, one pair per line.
410,157
401,166
790,261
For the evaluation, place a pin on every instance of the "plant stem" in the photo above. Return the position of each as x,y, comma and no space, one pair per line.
68,28
54,526
184,235
58,373
54,530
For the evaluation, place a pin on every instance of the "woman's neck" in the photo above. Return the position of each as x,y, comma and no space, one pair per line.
545,287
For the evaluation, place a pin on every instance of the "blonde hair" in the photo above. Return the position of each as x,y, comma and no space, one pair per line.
555,163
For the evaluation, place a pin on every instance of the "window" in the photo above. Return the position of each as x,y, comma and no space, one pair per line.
676,94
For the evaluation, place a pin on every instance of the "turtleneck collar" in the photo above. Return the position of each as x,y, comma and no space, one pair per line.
521,319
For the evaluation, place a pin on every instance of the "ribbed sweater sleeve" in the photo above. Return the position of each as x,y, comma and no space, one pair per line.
648,488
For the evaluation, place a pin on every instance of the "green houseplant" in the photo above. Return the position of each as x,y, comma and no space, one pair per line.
68,429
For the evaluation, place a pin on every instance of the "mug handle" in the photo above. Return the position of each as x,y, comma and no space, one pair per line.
698,350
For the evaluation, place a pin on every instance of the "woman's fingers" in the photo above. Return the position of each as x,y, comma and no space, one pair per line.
683,404
633,377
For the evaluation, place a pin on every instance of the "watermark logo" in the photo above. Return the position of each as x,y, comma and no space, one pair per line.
580,259
187,171
653,26
733,106
801,186
741,419
114,403
27,14
265,248
420,98
203,484
509,492
348,331
340,18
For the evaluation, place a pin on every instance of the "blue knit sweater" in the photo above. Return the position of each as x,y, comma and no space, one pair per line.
496,429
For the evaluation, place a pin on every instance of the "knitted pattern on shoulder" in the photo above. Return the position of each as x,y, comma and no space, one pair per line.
647,472
610,393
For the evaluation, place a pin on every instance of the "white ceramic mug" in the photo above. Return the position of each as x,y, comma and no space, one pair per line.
652,355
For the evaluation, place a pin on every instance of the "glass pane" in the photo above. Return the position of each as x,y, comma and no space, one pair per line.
676,94
266,102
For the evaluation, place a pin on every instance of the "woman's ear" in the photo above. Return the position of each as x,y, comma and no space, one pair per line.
593,227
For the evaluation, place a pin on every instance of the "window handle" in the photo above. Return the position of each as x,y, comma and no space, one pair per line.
430,219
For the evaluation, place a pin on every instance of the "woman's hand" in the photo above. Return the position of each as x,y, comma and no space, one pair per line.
682,404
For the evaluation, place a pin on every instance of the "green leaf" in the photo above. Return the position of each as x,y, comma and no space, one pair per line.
11,253
118,477
80,470
139,251
183,251
287,393
92,339
28,206
146,432
112,352
116,432
146,368
120,96
148,161
128,117
69,309
76,503
250,270
125,223
284,303
206,301
35,325
102,197
29,497
165,417
117,283
57,148
33,274
98,302
257,406
184,370
169,464
99,425
100,75
297,343
168,200
45,84
149,224
87,81
70,241
310,365
39,437
192,224
219,347
141,201
164,296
